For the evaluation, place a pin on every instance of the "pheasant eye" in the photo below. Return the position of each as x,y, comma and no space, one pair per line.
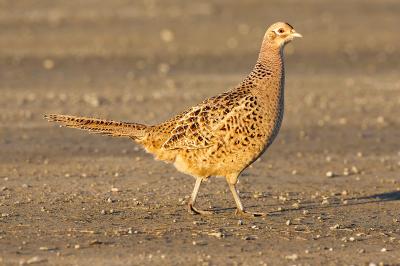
281,30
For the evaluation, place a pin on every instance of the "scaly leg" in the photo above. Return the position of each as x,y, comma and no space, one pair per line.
240,210
192,200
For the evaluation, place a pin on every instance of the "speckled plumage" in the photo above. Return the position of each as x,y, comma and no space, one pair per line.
222,135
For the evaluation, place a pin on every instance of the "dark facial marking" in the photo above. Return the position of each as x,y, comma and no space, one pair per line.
289,25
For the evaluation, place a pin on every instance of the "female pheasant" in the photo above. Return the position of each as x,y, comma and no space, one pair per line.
222,135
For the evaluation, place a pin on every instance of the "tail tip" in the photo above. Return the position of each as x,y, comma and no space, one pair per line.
50,117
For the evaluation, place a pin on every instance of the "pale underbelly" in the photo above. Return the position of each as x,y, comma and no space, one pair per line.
225,161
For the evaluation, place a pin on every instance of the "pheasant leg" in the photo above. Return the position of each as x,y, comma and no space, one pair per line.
240,210
192,201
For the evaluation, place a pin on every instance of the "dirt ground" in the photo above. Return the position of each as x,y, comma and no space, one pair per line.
330,182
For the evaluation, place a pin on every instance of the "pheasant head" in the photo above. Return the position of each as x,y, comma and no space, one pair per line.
280,33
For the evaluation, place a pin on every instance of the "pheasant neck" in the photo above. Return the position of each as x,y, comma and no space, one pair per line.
271,59
271,56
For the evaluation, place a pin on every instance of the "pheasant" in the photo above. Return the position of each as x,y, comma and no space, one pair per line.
221,136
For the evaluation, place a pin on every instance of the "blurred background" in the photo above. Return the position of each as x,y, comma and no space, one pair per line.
147,60
90,56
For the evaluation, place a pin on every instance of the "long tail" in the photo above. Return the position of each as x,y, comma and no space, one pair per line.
106,127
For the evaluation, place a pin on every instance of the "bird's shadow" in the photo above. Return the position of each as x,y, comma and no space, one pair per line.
387,196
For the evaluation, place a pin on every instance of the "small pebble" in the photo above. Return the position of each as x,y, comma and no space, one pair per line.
48,64
216,234
47,248
35,259
292,257
336,226
346,172
95,242
380,119
114,189
330,174
199,243
167,35
354,170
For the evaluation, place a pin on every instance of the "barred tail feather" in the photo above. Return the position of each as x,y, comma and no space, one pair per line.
105,127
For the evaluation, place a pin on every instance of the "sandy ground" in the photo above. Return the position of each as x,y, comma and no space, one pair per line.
69,198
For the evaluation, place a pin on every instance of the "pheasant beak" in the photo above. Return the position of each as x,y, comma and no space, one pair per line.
295,34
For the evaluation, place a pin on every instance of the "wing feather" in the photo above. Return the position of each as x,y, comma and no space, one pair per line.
198,127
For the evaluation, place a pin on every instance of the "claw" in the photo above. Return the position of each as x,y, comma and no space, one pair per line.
247,214
194,211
